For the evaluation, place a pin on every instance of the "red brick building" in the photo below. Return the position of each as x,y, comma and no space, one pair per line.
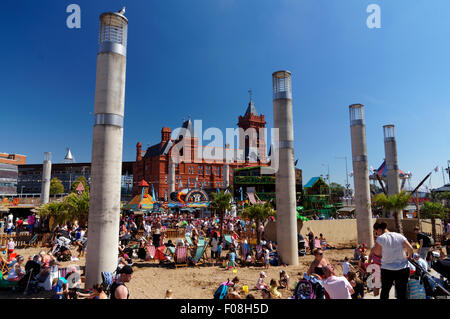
13,159
193,171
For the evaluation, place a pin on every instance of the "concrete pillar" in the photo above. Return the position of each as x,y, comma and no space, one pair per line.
226,175
361,175
171,176
106,168
46,176
390,149
285,175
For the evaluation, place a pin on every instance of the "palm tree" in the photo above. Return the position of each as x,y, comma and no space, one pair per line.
77,207
398,202
55,210
259,213
395,203
220,203
433,210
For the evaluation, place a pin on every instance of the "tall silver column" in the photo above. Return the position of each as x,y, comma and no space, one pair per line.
390,149
46,176
285,175
361,175
106,171
226,175
171,176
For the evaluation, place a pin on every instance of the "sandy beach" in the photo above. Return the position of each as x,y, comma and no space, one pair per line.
150,280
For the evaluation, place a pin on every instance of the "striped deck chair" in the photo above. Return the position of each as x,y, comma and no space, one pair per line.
62,272
181,257
151,251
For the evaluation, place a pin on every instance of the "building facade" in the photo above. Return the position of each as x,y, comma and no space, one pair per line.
13,159
8,179
191,170
30,176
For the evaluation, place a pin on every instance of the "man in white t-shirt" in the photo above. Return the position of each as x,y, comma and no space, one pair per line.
394,262
336,287
10,218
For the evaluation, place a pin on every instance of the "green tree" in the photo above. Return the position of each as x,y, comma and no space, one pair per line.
55,210
77,207
83,181
56,187
220,203
337,189
433,210
259,213
72,207
395,203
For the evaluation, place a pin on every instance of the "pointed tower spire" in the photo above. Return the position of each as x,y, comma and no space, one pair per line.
69,157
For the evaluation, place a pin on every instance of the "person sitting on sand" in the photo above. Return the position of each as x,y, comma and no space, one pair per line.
97,293
265,293
318,263
273,289
284,279
260,283
323,242
233,293
17,272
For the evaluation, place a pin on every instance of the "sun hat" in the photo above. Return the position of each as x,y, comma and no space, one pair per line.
262,273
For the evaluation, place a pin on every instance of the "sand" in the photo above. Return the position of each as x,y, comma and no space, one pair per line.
150,281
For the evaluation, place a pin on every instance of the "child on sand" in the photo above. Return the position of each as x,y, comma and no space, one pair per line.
284,279
346,266
273,289
231,259
260,283
266,258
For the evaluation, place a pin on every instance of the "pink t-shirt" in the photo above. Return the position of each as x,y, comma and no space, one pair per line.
338,287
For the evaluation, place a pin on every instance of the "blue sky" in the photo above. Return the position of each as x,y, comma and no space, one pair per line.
200,58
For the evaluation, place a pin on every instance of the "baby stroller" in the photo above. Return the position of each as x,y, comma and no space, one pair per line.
302,248
434,287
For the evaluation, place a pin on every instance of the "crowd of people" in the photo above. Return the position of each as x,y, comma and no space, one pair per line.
374,269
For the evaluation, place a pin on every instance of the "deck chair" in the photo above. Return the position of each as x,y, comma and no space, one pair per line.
189,241
151,251
228,240
180,259
200,254
62,272
4,266
32,242
317,243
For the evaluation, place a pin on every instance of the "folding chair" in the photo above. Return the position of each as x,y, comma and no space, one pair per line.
180,259
200,254
317,243
189,241
32,242
151,251
4,266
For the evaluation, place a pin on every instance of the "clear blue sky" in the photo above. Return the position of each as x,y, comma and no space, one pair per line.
200,57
